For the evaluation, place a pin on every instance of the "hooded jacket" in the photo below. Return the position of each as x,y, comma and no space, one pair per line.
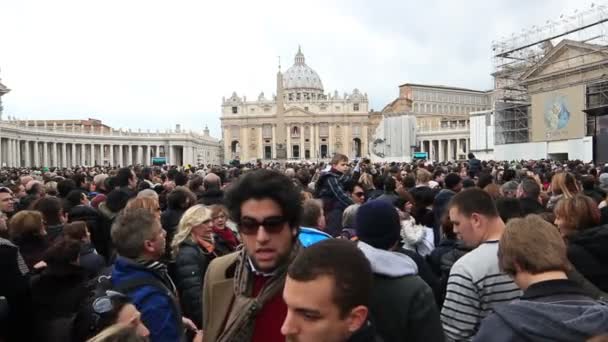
588,253
417,237
402,305
554,310
158,306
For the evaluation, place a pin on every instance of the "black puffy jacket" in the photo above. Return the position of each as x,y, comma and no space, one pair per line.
588,253
191,263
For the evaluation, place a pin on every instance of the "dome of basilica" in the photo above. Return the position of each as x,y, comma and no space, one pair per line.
301,77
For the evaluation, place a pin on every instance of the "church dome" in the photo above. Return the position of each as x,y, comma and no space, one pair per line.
301,77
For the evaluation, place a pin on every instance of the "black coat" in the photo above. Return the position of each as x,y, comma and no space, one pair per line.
425,272
57,293
588,252
103,243
210,197
531,206
191,263
416,319
32,248
169,219
14,325
90,260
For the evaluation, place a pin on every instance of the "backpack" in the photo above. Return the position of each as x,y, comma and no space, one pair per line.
84,325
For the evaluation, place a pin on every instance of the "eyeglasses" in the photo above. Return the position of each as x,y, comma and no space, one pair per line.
272,225
359,194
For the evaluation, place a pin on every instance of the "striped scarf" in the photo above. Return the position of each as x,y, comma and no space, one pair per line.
161,270
23,269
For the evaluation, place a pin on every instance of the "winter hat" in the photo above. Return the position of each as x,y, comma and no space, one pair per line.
377,224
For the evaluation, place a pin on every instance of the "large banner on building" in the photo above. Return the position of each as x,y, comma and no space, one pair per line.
558,114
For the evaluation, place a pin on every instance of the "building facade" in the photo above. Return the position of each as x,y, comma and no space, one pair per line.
23,144
442,117
301,122
558,120
69,143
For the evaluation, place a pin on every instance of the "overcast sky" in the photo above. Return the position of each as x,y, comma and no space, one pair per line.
153,64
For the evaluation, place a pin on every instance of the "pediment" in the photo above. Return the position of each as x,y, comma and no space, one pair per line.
298,112
565,57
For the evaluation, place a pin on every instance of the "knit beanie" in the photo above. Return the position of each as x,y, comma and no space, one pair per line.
378,225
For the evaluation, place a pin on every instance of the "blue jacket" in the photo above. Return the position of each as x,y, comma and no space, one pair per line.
157,305
310,236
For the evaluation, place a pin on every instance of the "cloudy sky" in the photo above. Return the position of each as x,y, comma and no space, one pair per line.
153,64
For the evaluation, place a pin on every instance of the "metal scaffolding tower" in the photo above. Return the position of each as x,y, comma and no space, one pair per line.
516,54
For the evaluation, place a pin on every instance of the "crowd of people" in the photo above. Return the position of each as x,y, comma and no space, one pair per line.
349,251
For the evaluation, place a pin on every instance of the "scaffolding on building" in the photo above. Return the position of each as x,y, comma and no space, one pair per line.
515,55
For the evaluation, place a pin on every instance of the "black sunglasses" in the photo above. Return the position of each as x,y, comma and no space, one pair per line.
272,225
359,194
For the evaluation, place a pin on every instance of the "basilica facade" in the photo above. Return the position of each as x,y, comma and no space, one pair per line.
301,122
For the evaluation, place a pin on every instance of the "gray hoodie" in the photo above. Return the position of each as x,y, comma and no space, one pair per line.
387,263
565,318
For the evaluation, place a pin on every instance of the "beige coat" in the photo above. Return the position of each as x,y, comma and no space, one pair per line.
218,294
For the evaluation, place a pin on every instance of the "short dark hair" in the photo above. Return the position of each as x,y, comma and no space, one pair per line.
342,261
117,200
74,197
530,187
180,179
50,207
180,198
409,182
35,189
423,196
123,176
65,186
484,179
261,184
311,212
588,182
452,180
389,184
509,208
62,252
474,200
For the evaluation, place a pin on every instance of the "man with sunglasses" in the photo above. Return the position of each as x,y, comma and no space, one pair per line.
242,294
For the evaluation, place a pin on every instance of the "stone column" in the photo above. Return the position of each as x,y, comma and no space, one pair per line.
302,148
260,145
45,153
18,152
9,153
73,154
129,155
274,142
83,156
111,147
54,155
121,157
458,148
2,160
36,154
93,154
148,156
311,139
26,152
330,143
288,141
169,154
64,160
449,149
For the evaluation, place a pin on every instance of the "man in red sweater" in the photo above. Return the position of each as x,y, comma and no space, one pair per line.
242,292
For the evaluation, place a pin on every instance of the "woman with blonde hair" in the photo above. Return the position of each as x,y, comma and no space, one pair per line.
193,249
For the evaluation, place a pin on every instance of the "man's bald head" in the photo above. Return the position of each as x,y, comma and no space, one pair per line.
212,181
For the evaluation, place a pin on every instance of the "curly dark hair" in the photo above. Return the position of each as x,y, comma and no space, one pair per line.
261,184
